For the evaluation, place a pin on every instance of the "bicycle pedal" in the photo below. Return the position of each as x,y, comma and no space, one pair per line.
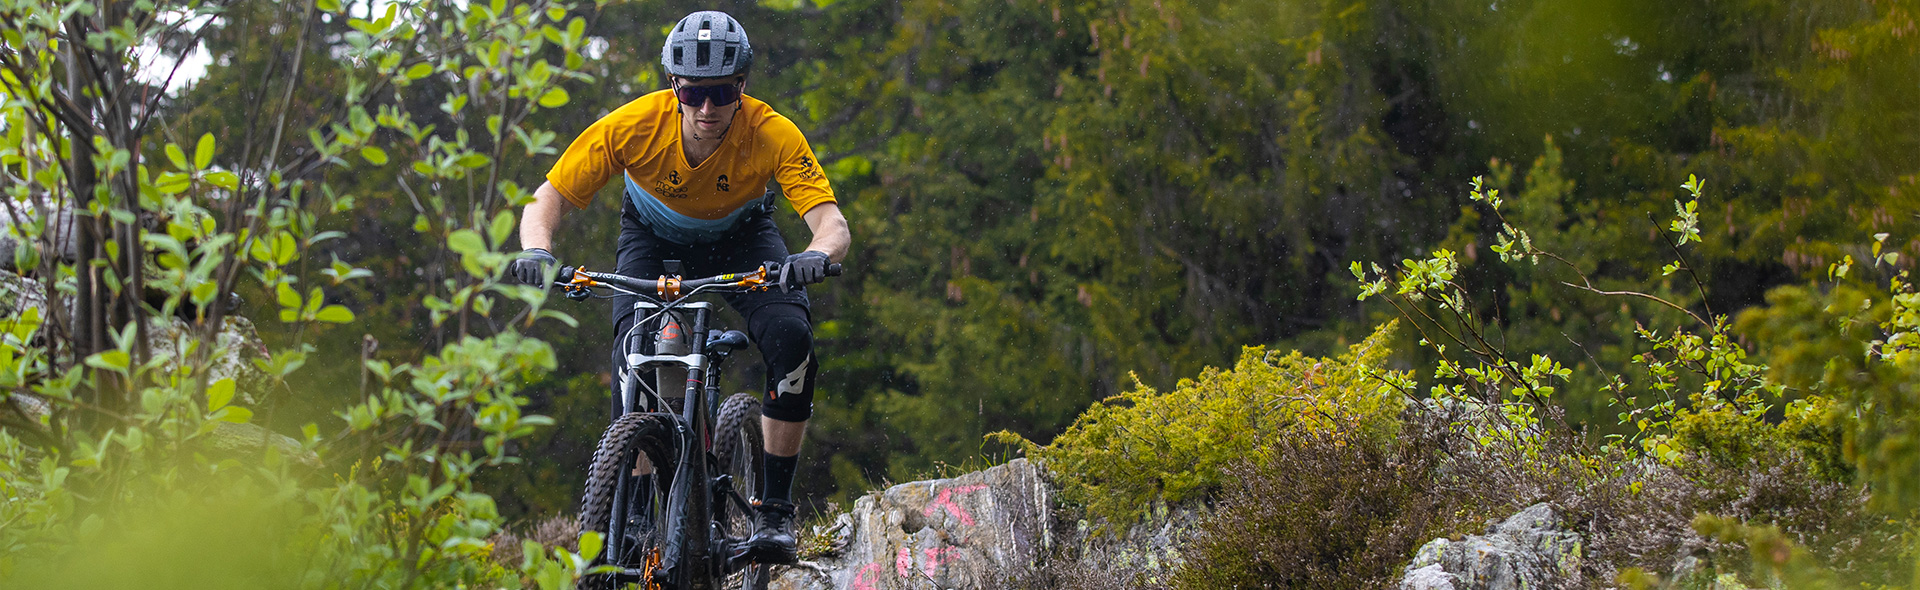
739,557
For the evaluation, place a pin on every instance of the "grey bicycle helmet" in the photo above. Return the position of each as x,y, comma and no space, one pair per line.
707,44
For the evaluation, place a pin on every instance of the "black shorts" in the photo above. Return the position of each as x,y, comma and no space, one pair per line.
779,323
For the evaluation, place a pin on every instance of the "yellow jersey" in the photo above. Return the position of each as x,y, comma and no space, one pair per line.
678,201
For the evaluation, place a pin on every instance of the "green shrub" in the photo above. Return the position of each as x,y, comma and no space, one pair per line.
1146,444
1730,437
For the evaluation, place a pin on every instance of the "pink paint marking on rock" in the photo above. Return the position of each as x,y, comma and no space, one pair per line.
945,500
902,562
937,556
867,577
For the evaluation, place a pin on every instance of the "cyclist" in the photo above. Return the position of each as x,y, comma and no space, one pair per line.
694,159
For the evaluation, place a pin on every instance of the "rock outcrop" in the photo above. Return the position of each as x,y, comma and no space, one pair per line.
1096,555
985,529
1530,550
996,529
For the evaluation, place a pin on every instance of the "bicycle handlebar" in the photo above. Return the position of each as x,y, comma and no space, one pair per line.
764,277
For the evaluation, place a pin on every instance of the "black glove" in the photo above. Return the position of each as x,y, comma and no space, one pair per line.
803,269
531,267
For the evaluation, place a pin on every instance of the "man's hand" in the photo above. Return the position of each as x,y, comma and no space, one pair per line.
803,269
531,267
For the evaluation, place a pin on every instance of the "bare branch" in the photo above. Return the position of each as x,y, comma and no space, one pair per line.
1697,283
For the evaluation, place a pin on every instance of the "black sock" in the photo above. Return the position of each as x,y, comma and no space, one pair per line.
779,481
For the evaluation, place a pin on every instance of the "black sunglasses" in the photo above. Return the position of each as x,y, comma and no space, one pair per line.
694,96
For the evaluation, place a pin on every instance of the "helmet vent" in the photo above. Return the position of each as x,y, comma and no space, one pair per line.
707,44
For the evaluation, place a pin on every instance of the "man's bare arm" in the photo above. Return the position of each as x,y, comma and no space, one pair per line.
542,217
830,233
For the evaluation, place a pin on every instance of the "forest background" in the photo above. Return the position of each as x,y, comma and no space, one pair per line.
1053,199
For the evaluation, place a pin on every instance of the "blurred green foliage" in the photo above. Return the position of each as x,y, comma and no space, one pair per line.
137,459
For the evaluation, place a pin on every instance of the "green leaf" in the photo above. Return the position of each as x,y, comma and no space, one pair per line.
474,160
260,251
466,242
554,98
576,28
334,314
173,183
219,394
203,152
287,297
177,156
115,360
327,5
590,545
234,414
420,70
224,179
374,155
342,272
284,248
453,104
502,227
28,323
203,293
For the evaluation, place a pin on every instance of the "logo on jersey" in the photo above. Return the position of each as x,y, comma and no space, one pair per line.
661,189
722,184
673,176
808,170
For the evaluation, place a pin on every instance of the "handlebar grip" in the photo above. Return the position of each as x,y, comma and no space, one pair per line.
833,270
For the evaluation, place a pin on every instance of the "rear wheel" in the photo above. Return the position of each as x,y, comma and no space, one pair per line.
737,444
625,507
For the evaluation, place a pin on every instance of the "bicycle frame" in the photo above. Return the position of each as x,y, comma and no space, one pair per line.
689,511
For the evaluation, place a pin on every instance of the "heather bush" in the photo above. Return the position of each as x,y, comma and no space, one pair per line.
1326,510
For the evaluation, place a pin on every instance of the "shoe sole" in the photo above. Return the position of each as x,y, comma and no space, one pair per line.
771,553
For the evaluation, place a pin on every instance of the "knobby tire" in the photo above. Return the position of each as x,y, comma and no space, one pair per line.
621,444
737,445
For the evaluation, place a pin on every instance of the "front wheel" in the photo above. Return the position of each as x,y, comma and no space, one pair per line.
627,496
737,444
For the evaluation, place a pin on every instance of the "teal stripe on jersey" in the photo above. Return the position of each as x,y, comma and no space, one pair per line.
678,228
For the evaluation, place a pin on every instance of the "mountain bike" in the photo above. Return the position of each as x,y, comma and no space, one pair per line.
665,486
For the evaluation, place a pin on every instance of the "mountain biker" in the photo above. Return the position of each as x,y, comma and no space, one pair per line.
694,159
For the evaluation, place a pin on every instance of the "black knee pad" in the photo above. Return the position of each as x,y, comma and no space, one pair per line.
785,337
